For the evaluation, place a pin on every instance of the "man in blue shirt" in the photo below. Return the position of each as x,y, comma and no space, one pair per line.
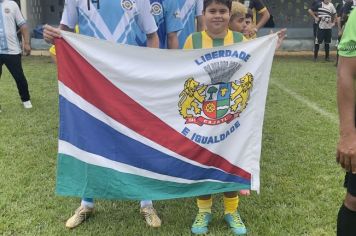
116,21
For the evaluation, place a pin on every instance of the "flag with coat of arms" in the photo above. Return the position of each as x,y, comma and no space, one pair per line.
142,123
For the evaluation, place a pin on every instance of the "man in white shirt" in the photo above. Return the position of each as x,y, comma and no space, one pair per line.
10,51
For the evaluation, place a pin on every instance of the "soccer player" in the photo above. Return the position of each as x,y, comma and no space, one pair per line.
116,22
169,23
314,14
346,148
10,51
326,13
192,18
216,10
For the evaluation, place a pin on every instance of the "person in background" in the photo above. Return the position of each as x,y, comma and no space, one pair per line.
313,14
326,14
258,7
10,53
346,148
103,19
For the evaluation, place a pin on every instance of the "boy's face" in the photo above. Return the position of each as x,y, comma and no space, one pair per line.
238,24
217,17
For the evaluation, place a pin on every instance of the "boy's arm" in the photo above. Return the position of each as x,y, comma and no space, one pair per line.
200,23
346,148
265,15
172,40
152,40
26,39
312,13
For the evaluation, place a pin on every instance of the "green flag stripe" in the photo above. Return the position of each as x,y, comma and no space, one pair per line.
77,178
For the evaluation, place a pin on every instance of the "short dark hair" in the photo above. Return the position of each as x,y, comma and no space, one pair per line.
227,3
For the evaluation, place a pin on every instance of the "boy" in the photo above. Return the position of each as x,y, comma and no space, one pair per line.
191,15
238,18
115,22
346,155
217,18
326,16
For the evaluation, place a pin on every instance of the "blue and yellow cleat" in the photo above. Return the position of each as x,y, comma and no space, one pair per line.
201,222
235,223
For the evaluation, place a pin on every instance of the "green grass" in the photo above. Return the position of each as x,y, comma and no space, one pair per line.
301,185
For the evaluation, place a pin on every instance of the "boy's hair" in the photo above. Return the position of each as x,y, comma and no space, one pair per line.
238,10
224,2
249,13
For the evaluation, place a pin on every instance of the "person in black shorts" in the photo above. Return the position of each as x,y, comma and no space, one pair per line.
326,13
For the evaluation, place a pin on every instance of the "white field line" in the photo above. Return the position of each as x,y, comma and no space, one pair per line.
332,117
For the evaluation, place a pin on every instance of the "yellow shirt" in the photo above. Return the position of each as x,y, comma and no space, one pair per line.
203,40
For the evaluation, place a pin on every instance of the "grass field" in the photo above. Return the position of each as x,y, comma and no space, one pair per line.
301,185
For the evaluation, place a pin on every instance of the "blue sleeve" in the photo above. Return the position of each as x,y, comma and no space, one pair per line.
172,16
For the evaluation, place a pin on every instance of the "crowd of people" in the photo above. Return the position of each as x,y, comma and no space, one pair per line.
189,24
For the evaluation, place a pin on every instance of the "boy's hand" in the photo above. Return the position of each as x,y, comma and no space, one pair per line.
50,33
281,35
346,152
26,49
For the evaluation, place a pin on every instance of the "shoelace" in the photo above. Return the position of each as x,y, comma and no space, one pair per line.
200,219
236,218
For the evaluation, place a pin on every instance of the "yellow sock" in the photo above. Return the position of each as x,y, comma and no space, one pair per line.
231,204
205,205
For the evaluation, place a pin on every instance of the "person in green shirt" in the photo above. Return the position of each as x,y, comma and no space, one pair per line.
346,148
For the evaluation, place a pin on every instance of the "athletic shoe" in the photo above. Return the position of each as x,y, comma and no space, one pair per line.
236,224
201,222
80,215
151,217
27,104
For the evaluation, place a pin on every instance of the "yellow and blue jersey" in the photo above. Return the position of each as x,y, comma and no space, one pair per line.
112,20
199,40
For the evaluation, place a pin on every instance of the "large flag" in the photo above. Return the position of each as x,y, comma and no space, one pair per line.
142,123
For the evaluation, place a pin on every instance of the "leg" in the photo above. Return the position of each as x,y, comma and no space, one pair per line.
203,218
347,214
327,39
82,213
150,214
232,217
14,65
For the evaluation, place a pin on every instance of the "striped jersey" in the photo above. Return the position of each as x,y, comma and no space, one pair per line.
189,10
326,13
167,17
203,40
112,20
10,16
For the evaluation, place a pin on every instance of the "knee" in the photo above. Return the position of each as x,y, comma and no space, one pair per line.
350,202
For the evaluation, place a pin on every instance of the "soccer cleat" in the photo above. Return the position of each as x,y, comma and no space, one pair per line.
27,104
201,222
80,215
235,222
151,217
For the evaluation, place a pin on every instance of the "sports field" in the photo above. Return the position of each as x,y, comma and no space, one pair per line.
301,185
